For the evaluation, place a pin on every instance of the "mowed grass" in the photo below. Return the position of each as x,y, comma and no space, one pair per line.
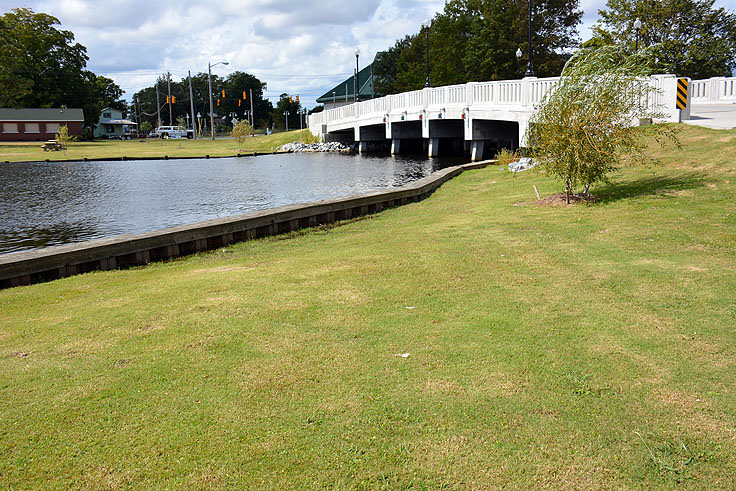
149,147
584,347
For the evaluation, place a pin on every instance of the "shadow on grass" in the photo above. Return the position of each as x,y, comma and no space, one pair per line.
655,185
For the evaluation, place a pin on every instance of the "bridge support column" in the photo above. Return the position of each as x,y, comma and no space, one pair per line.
362,147
434,147
395,146
476,151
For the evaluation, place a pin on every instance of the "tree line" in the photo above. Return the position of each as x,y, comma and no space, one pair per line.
477,40
228,106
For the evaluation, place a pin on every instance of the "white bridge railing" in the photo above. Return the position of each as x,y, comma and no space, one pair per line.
516,95
717,90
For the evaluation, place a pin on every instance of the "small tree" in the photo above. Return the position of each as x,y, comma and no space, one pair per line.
63,138
146,127
585,125
240,131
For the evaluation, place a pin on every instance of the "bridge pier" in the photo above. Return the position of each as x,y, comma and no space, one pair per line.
476,152
434,147
395,146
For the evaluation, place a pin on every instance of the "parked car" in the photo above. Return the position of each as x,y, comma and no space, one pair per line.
174,132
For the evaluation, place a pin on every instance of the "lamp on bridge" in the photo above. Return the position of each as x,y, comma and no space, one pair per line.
356,85
518,61
529,69
427,23
637,27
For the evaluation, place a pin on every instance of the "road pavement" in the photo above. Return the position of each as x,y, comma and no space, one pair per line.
718,116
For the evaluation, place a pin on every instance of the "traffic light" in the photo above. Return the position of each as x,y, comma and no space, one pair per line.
173,99
297,99
168,100
223,93
239,102
218,102
245,96
290,101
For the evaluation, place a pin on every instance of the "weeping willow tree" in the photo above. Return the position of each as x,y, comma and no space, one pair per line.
589,122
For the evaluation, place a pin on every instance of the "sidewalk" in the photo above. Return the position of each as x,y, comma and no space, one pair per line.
717,116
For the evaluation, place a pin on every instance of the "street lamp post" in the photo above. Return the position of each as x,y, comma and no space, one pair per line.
209,79
529,68
427,23
637,27
356,87
518,61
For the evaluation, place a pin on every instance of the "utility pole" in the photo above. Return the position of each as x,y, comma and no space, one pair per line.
168,81
158,107
286,118
252,114
191,102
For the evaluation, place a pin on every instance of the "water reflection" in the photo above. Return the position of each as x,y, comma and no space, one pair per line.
43,204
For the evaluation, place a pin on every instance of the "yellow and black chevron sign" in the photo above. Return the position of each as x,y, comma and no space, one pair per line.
681,93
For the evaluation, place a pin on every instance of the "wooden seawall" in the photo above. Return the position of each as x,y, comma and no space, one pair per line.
36,266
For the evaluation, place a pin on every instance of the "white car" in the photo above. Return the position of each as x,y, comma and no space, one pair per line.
174,132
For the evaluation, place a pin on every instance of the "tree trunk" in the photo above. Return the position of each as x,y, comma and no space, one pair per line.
567,191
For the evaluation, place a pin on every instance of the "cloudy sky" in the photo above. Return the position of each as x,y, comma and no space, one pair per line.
297,46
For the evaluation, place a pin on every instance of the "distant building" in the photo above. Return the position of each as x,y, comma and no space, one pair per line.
113,125
344,92
38,124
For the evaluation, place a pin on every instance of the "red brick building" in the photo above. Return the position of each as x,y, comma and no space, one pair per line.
38,124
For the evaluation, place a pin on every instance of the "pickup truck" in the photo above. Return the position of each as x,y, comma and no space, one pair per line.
174,132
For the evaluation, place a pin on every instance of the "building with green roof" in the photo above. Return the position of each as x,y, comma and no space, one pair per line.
344,92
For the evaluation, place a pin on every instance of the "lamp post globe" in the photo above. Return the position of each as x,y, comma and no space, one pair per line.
637,27
427,24
519,54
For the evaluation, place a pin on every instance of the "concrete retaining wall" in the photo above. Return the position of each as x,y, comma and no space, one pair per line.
27,267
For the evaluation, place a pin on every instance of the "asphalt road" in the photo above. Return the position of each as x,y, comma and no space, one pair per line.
718,116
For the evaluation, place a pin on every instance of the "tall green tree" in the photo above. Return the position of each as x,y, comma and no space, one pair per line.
42,66
695,39
475,40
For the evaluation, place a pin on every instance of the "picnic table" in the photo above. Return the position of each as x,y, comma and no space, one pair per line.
52,145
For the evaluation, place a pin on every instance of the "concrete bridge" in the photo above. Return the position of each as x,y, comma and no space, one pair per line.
476,117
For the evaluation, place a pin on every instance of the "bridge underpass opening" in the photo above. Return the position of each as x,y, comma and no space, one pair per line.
346,137
488,136
446,136
371,137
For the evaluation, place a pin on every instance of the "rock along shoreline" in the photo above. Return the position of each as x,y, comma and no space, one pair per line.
336,147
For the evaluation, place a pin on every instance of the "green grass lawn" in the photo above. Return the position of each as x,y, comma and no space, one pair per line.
581,347
150,147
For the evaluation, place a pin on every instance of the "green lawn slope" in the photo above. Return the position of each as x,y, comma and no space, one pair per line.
584,347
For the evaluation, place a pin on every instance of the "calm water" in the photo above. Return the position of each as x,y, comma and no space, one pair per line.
44,204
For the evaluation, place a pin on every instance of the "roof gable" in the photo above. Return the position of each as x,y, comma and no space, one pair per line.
41,114
346,88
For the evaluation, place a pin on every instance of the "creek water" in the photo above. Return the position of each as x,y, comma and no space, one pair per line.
44,204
